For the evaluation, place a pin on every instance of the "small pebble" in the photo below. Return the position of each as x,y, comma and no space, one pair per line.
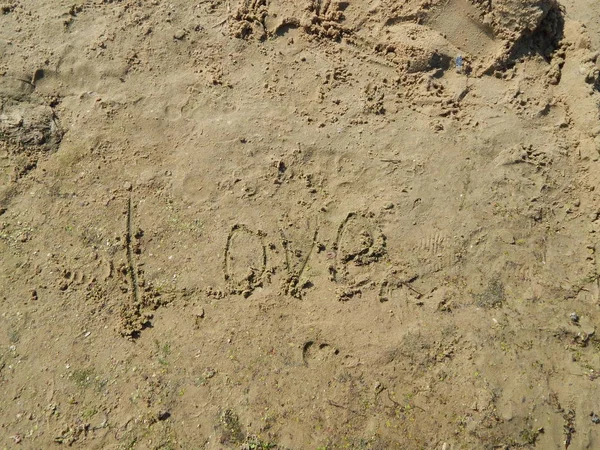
574,317
163,415
179,34
595,418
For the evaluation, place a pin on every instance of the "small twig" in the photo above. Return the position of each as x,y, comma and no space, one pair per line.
345,407
419,295
406,282
220,23
394,401
403,408
463,94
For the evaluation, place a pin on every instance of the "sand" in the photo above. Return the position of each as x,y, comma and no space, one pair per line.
364,224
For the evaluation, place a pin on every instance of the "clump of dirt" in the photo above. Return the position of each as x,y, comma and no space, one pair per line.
526,27
513,19
324,18
26,121
249,19
29,127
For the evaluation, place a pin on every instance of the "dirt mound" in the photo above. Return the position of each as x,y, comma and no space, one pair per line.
25,119
525,27
492,35
28,125
513,19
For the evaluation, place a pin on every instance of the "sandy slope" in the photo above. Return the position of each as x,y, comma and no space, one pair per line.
299,225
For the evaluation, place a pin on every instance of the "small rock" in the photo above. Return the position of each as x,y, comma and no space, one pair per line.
127,186
595,418
163,415
209,373
388,206
574,317
200,313
179,34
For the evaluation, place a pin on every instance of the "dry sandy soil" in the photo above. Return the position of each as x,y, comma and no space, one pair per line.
362,224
